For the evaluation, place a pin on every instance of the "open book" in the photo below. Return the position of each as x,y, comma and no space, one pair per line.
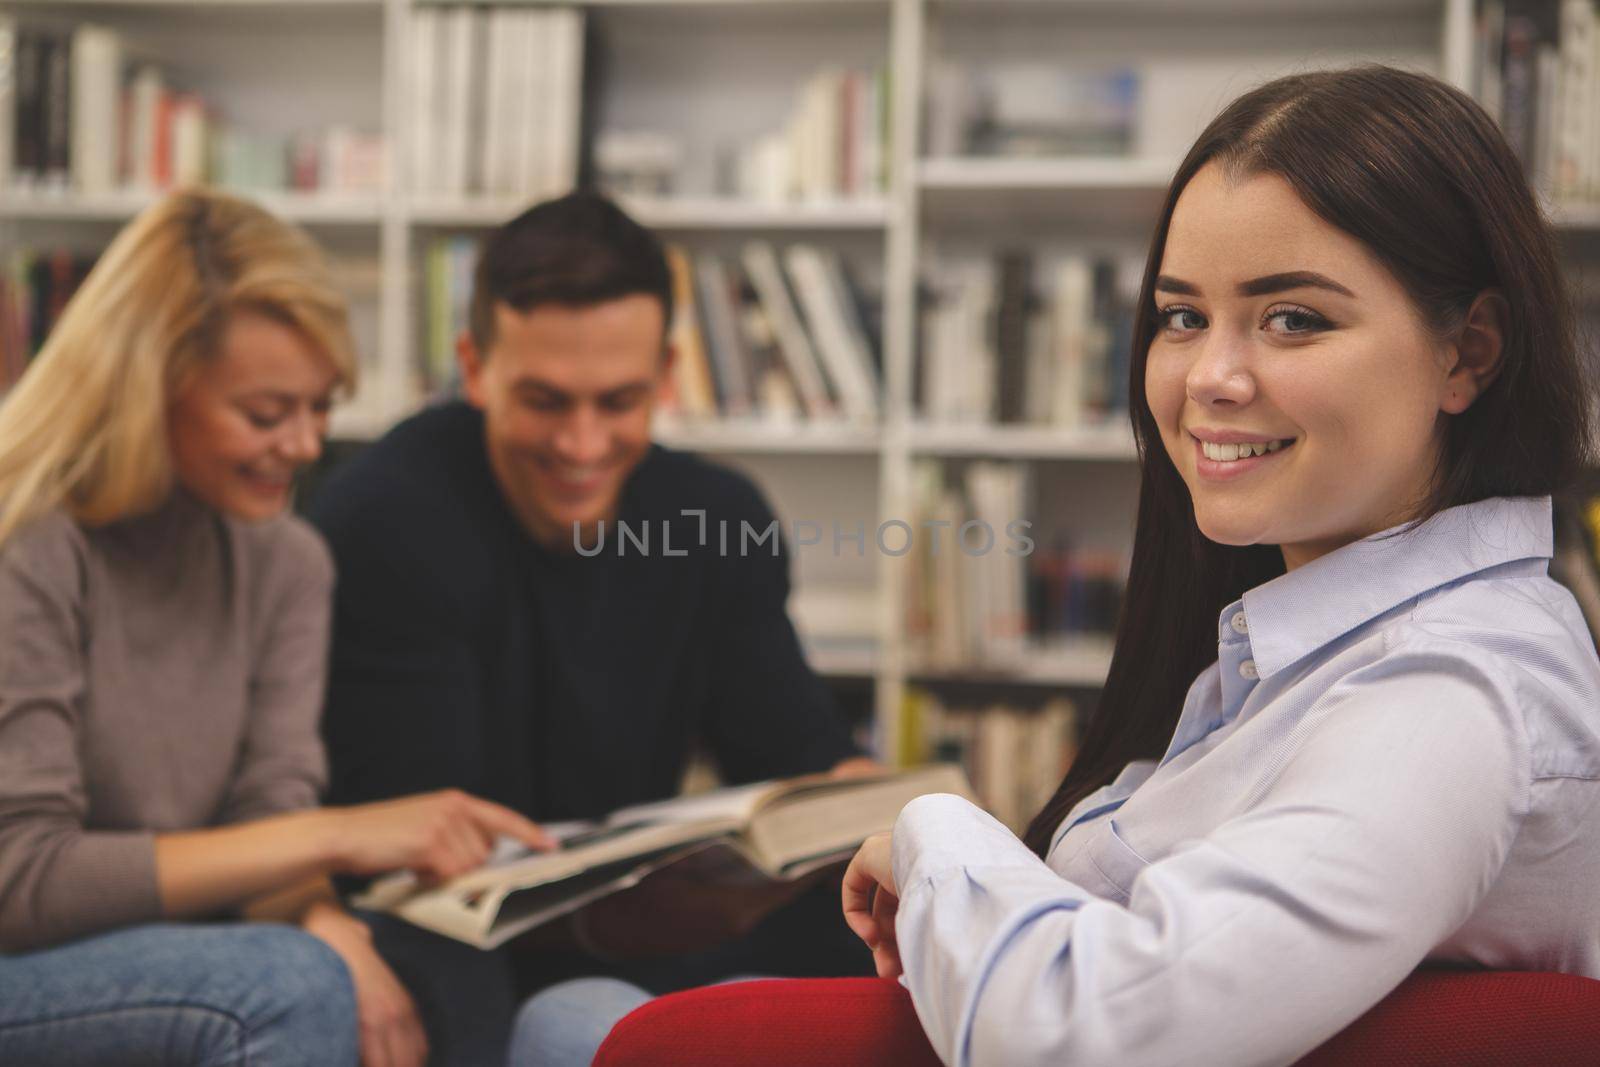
773,832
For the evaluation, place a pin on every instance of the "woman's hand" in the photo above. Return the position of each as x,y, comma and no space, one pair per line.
871,900
391,1033
437,835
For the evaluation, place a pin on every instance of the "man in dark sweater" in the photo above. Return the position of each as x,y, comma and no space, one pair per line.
534,603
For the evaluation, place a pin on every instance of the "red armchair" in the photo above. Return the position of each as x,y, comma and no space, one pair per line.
1434,1019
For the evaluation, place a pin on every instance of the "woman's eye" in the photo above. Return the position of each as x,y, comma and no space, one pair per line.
1296,320
1181,319
263,422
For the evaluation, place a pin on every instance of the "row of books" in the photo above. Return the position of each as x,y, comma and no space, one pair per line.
1030,110
772,335
995,350
1014,756
984,590
496,95
74,116
1537,72
834,145
35,286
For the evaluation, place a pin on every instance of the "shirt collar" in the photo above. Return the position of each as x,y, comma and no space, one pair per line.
1299,612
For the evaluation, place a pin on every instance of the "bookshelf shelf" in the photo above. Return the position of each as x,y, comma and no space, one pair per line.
1575,216
1076,662
767,437
1119,194
307,208
1123,8
1112,442
842,661
679,214
1090,174
263,5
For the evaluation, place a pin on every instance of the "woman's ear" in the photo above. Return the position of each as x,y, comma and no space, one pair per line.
1477,352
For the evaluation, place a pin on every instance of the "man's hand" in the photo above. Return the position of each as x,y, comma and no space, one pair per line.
871,900
857,767
391,1032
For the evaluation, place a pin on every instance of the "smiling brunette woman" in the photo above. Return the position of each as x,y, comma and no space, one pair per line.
163,642
1350,725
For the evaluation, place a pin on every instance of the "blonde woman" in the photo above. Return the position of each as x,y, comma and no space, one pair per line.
163,638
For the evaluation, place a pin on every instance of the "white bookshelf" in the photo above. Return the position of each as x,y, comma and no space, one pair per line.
1108,442
757,437
720,214
727,67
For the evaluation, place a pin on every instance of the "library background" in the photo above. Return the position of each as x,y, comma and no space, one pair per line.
906,235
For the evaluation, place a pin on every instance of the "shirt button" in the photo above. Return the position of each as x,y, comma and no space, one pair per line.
1247,670
1239,623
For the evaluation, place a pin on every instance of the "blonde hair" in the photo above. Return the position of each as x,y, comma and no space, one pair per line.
85,428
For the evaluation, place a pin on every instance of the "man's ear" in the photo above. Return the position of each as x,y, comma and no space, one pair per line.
1478,351
471,362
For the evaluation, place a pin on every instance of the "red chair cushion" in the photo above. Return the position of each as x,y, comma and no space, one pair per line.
1434,1019
1475,1019
803,1022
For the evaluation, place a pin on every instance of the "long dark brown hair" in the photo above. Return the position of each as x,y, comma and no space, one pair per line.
1417,172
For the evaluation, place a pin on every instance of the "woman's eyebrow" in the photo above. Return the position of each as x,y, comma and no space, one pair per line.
1294,279
1268,283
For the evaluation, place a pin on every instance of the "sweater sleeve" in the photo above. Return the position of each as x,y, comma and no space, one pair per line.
770,715
57,880
281,766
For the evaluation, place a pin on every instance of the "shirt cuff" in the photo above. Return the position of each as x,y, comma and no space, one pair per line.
941,832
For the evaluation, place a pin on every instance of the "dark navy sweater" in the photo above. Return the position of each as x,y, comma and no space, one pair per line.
562,685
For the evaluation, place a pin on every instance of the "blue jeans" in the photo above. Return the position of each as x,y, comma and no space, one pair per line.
464,996
190,995
564,1026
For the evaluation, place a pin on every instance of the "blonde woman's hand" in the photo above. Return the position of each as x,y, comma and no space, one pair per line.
390,1030
436,835
871,900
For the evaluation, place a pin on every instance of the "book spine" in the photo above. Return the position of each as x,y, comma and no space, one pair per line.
761,261
95,95
9,101
56,111
565,100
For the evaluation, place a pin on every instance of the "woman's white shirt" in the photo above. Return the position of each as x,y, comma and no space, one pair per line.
1393,759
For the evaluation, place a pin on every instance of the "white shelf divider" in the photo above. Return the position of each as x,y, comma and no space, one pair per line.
1109,442
1070,662
311,208
996,175
671,213
813,438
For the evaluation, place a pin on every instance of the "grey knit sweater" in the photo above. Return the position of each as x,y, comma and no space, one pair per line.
164,673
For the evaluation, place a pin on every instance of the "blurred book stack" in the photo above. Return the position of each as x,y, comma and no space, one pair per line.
1030,110
834,145
1537,73
76,116
34,288
1014,756
985,594
497,97
772,336
1001,344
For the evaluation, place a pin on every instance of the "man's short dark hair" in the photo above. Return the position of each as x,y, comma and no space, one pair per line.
578,251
